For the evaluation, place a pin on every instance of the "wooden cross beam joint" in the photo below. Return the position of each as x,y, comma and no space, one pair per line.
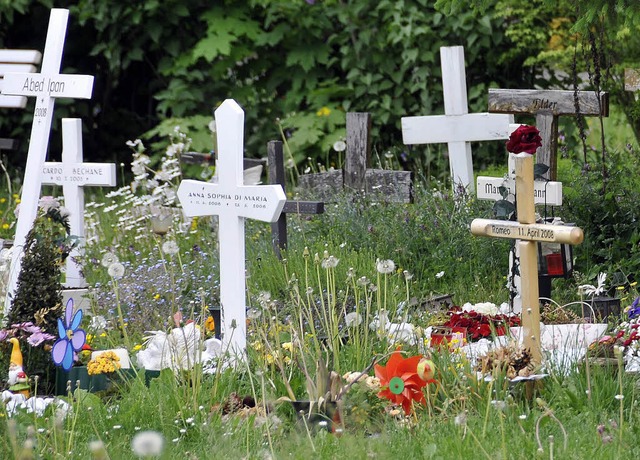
275,160
547,106
391,186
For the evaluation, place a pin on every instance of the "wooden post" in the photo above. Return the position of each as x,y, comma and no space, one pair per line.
631,79
358,158
547,106
528,233
389,186
275,160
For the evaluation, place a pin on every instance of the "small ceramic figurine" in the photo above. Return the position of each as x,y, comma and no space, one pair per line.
18,380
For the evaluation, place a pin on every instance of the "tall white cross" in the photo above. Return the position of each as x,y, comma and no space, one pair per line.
457,128
73,175
45,87
232,202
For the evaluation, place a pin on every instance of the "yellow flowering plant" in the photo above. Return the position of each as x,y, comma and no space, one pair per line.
104,363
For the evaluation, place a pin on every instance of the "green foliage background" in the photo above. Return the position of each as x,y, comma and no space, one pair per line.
158,64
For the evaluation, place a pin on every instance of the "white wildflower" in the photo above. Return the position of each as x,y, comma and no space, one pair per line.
109,258
353,319
340,146
385,267
170,247
116,270
147,444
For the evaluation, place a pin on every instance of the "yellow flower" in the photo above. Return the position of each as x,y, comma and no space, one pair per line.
256,346
104,363
156,297
17,200
633,284
137,347
5,226
270,358
209,324
89,338
288,346
3,200
324,112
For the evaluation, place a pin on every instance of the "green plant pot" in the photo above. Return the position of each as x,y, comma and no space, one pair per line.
79,378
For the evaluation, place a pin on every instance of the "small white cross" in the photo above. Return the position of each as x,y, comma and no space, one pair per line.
73,175
232,202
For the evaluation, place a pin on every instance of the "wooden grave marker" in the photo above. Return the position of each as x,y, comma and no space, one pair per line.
528,234
392,186
546,193
232,202
275,160
73,175
548,106
46,87
457,127
631,79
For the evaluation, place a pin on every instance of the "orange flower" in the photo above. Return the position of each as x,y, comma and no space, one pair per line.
400,381
210,324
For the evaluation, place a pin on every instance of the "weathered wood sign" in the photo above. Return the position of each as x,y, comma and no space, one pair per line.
457,128
232,202
46,87
275,159
72,174
547,106
631,79
390,186
527,233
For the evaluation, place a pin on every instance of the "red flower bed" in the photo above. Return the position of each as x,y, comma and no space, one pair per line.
480,326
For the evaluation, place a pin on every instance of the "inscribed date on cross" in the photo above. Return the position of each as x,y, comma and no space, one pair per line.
531,232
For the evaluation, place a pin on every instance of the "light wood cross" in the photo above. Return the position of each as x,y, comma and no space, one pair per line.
46,87
74,175
548,106
528,233
457,127
232,202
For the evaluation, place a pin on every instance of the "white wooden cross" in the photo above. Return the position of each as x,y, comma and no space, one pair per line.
457,128
232,202
528,233
45,87
73,175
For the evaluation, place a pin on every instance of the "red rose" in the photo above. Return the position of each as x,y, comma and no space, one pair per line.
524,139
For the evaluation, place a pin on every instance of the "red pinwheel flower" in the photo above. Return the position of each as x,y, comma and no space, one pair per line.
400,381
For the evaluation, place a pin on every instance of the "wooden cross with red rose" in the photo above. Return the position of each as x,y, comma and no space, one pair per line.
524,142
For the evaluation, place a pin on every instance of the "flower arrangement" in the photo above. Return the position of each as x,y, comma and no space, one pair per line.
480,321
104,363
